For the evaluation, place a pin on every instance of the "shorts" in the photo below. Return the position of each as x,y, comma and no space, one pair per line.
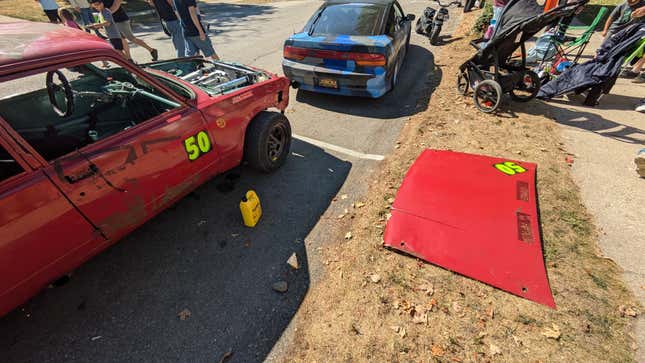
194,45
117,43
126,30
52,15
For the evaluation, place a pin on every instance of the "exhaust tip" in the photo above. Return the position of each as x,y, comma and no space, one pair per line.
295,84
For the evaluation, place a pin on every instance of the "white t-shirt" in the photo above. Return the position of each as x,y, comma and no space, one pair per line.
48,4
79,3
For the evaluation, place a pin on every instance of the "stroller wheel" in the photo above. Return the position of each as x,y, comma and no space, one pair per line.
462,83
487,95
526,88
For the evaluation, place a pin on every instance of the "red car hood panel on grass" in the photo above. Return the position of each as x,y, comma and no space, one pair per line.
465,213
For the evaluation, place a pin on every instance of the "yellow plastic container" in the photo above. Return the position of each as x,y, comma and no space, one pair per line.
251,209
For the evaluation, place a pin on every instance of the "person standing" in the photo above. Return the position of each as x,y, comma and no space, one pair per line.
84,10
170,21
108,22
122,21
194,33
621,17
51,10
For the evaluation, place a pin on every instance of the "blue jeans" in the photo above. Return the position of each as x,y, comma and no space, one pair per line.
86,16
177,36
194,45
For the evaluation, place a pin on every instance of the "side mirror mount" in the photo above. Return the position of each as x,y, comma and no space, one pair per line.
410,17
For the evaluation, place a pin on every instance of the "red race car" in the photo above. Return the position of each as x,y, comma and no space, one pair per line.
92,146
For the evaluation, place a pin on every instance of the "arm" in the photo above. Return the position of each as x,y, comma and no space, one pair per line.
115,6
610,20
193,16
638,13
98,25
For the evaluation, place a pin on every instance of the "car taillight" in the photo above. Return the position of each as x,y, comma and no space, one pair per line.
294,53
361,59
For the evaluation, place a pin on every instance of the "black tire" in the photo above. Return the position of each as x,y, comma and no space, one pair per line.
419,27
593,96
267,141
529,86
395,76
434,35
487,95
463,83
468,5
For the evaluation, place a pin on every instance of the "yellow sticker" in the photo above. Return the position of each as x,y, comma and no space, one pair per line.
509,168
197,145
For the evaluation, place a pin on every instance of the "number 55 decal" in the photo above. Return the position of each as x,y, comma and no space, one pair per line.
197,145
509,168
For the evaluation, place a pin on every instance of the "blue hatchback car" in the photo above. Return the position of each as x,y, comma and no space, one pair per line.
352,48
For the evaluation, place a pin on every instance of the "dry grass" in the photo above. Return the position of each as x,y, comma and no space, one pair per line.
348,317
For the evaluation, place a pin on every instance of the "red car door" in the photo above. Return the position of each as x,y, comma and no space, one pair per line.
123,180
42,235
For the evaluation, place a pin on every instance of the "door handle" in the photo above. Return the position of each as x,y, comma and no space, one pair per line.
91,170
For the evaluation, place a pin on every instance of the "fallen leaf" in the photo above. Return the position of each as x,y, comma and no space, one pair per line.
437,351
456,306
356,329
402,333
293,261
348,235
341,216
420,318
343,197
375,278
390,200
627,311
490,312
494,350
427,288
184,314
359,205
553,332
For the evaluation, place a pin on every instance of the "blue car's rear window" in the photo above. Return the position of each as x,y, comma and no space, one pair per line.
346,19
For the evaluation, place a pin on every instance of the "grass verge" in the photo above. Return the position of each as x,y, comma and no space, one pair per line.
377,305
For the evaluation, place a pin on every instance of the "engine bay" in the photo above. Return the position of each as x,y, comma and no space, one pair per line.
215,78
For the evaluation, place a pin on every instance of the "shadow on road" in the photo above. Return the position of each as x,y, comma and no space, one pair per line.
410,96
590,121
222,17
197,256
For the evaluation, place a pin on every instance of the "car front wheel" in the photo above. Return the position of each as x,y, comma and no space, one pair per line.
267,142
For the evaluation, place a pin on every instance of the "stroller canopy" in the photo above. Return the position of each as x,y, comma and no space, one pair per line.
520,20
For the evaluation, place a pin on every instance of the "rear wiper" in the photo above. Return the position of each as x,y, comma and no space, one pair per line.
311,28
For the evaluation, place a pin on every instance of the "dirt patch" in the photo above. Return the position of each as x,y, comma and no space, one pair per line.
377,305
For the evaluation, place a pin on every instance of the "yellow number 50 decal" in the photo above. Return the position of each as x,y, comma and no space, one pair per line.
509,168
197,145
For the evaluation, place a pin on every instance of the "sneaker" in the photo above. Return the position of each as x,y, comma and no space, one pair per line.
154,54
628,73
640,78
640,163
641,107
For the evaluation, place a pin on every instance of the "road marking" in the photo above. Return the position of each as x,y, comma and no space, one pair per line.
340,149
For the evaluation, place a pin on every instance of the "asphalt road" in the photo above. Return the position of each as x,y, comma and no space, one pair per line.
123,305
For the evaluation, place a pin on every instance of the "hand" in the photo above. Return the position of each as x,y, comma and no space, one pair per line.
604,33
202,36
638,13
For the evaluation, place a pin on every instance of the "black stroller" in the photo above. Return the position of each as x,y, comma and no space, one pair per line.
493,70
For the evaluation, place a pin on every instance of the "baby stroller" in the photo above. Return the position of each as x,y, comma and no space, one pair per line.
493,70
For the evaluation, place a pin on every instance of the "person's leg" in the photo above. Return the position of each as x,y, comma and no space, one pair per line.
206,47
126,49
86,16
191,49
126,31
177,36
52,15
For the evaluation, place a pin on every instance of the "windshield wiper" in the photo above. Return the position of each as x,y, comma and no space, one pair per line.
313,23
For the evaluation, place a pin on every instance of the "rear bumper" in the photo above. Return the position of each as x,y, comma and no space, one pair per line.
349,83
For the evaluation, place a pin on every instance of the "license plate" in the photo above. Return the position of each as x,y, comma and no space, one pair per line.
328,83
